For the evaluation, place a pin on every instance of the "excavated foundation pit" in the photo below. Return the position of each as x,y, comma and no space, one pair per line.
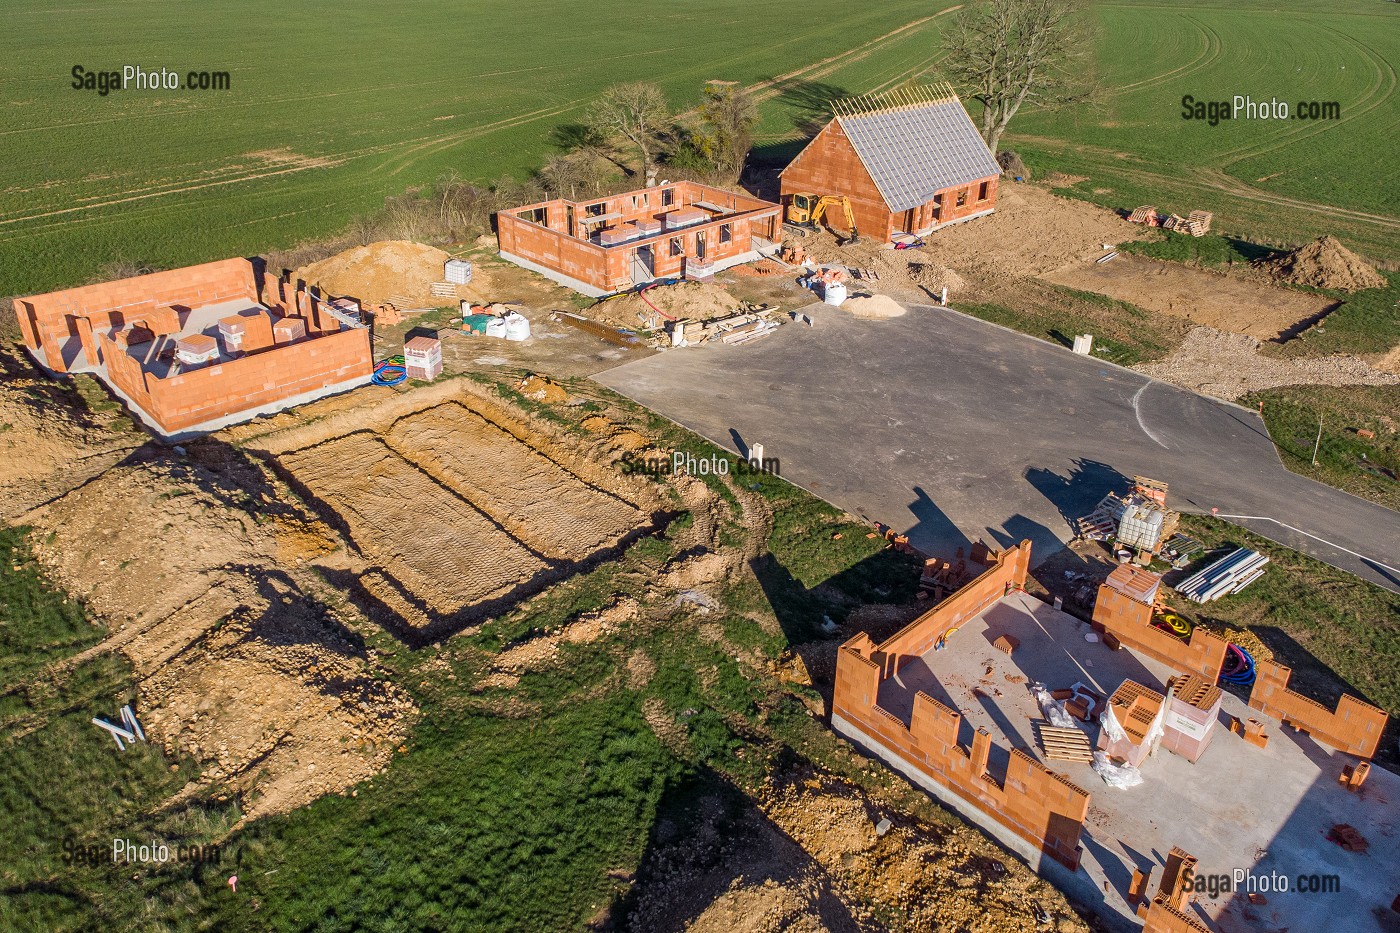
460,510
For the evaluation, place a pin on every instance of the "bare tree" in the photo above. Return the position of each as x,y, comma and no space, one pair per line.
638,113
1004,53
729,114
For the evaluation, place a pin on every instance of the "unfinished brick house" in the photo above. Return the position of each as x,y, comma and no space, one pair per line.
910,161
606,245
194,349
964,702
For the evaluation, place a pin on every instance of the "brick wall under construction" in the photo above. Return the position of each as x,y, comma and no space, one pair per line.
1130,621
550,243
47,321
1354,726
1039,806
194,397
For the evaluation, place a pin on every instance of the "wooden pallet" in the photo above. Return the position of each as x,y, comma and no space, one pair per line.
443,290
1063,744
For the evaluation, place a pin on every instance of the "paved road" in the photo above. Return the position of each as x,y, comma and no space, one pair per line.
954,429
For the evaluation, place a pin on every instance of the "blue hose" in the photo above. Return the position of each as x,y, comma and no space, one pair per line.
1241,673
389,372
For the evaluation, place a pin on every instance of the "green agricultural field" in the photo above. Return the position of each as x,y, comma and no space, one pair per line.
333,106
1276,181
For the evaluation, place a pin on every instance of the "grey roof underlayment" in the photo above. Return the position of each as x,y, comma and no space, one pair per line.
915,149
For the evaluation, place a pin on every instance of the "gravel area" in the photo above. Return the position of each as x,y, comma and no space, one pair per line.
1227,366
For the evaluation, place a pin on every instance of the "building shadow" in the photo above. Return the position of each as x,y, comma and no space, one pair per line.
933,531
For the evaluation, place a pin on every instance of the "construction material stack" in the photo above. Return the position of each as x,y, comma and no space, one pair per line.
1193,707
1230,574
1132,724
423,358
196,350
1140,520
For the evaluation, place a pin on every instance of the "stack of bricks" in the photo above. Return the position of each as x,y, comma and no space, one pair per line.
196,349
423,358
1193,706
288,330
1138,710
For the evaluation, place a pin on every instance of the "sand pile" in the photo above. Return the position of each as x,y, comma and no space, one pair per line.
542,389
1325,263
379,271
698,301
934,278
874,308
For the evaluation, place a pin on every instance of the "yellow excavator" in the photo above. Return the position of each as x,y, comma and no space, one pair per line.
808,210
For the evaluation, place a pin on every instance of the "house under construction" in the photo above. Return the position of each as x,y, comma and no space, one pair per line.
609,244
910,161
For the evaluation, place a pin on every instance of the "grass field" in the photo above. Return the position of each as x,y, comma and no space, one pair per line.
332,107
1276,181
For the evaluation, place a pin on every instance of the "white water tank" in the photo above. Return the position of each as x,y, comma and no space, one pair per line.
517,326
457,271
834,293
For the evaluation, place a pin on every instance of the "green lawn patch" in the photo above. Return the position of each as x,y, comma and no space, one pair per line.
1364,466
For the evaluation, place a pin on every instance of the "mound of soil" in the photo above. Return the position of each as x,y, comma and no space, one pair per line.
874,308
376,272
1325,263
698,301
543,389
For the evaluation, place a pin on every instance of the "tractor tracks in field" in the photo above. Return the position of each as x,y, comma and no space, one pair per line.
1211,179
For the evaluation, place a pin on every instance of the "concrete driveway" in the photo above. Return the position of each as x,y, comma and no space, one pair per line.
953,429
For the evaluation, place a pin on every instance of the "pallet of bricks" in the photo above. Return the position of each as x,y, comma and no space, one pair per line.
423,358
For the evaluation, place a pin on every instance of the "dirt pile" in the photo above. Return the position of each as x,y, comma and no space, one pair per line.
1227,366
381,271
239,663
874,308
698,301
1325,263
542,389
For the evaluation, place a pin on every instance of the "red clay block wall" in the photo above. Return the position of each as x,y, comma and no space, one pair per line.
1163,918
227,388
1354,727
829,165
1130,622
47,319
1033,802
1038,805
1007,570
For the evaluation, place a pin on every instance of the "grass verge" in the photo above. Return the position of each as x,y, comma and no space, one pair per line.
1368,467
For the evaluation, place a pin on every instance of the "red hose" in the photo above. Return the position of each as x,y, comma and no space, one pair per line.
641,293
